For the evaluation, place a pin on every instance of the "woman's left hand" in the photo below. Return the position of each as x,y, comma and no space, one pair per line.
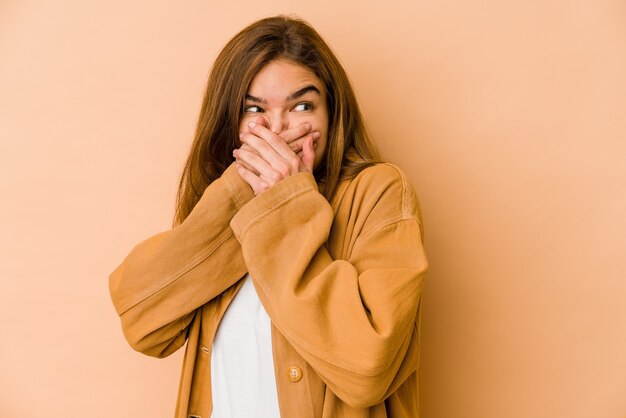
270,157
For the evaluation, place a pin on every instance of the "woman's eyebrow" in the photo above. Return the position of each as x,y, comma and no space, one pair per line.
303,91
292,96
255,99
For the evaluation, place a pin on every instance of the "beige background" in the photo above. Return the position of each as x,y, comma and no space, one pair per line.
509,118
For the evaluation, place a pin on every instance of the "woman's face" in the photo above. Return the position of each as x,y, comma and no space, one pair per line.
287,94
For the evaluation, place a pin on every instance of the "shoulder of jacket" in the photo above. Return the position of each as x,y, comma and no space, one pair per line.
386,183
382,174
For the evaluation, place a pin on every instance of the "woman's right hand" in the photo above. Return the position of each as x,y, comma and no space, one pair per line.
294,137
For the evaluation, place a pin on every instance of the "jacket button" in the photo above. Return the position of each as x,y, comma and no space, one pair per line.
295,373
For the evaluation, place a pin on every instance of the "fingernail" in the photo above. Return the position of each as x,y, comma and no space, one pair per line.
316,135
251,124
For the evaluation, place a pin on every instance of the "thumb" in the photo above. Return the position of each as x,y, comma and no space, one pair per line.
308,154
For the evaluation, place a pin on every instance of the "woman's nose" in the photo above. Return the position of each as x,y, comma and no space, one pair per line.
277,123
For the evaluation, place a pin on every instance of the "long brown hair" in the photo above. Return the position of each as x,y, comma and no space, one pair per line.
349,148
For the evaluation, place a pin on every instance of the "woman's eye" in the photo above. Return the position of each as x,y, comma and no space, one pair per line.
252,109
301,107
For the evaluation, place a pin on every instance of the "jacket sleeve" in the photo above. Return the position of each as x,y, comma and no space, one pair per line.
165,278
354,320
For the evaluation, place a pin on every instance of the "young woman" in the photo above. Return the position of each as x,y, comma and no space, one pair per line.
294,268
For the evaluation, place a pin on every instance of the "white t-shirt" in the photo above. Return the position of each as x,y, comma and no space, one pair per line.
243,383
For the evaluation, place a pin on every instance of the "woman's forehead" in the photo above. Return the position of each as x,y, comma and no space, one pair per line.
279,79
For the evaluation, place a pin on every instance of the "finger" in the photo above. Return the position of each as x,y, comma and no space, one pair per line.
247,147
293,134
266,171
261,121
296,146
308,155
256,183
276,142
265,151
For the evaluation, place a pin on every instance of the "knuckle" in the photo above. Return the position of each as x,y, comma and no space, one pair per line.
274,139
275,176
284,171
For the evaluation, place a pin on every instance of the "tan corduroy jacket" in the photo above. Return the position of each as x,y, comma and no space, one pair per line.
341,284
